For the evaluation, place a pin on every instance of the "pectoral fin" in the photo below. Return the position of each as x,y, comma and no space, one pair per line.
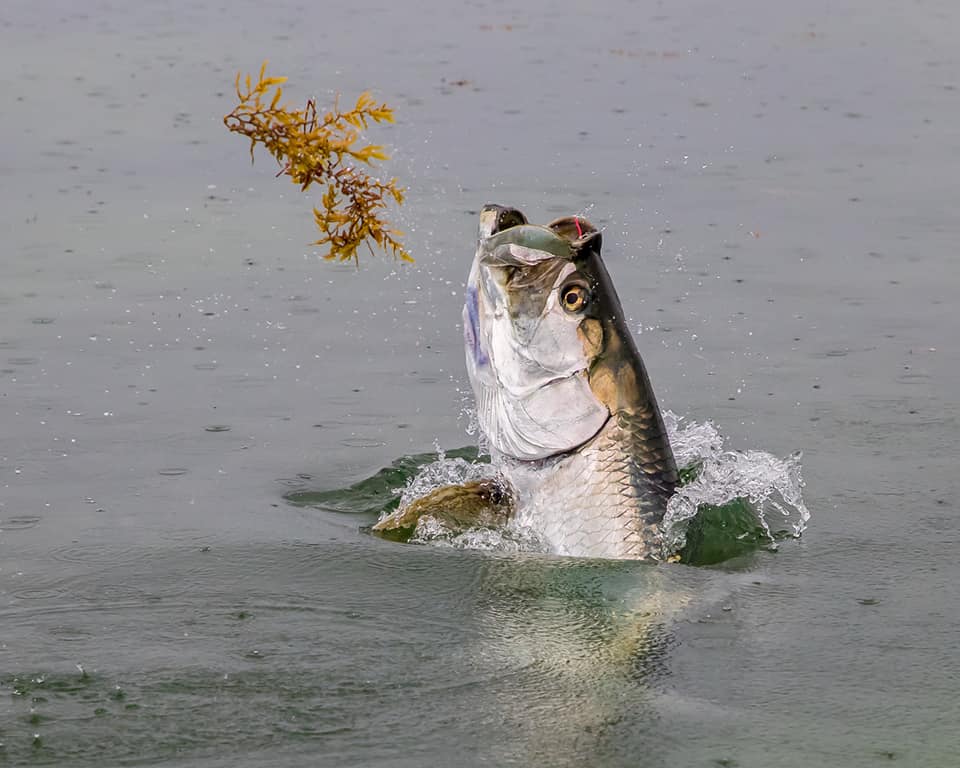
477,504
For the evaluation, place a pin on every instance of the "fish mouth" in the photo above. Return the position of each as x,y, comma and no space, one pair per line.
497,218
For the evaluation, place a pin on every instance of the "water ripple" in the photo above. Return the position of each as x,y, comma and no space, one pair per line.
19,523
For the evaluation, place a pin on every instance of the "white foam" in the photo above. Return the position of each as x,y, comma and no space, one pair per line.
442,471
772,485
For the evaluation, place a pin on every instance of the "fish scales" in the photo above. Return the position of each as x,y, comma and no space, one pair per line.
604,500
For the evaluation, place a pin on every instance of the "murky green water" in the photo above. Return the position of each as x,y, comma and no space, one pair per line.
777,184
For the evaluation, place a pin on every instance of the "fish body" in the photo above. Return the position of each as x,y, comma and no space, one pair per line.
598,500
563,398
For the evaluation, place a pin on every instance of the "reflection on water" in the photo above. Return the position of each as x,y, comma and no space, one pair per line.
354,656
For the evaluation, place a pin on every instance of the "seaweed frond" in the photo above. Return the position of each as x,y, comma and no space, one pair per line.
313,147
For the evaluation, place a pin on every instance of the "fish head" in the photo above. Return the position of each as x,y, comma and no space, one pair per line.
548,354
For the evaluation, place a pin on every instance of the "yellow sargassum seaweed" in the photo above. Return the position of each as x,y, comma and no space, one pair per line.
313,148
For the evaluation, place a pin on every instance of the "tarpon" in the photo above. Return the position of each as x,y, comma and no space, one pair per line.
579,450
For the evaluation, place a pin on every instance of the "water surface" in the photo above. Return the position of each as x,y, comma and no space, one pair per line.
777,188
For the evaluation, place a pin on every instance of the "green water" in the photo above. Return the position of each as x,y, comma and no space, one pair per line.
377,495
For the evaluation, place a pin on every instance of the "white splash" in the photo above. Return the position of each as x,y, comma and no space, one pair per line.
438,473
507,539
772,485
445,471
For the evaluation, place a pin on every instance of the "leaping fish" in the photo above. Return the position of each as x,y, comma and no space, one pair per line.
579,450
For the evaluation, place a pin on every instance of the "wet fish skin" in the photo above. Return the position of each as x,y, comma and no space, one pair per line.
606,497
563,398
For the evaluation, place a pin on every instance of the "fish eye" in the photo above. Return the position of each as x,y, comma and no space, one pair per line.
573,297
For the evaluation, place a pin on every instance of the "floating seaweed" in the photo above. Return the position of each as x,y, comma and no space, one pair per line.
310,147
